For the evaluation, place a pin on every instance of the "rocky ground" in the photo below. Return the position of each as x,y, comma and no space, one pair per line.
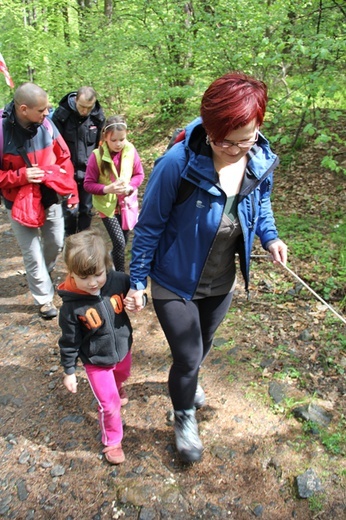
260,460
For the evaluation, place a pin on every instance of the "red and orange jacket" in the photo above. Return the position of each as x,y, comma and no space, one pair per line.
45,147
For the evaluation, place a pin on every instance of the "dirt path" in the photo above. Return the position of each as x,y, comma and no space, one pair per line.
51,462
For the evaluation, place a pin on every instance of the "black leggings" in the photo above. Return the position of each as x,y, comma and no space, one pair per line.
119,240
189,327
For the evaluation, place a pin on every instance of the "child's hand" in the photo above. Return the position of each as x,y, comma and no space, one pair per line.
135,300
118,187
70,381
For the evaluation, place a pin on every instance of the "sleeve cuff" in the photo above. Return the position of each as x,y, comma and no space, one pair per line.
69,371
138,286
270,242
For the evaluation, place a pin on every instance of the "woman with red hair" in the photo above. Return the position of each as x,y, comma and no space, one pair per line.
205,201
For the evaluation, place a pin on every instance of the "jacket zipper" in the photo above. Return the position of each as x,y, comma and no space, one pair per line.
101,299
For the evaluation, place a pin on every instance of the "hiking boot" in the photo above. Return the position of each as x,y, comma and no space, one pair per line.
48,311
114,454
188,443
199,400
124,399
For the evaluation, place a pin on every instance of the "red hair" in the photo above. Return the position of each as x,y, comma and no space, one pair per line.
231,102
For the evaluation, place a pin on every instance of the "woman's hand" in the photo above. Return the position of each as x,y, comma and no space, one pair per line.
70,382
134,301
278,250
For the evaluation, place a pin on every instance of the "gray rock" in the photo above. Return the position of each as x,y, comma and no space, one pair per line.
5,504
313,412
308,484
17,402
265,363
24,457
72,418
258,510
277,391
233,351
218,342
214,510
138,470
305,335
22,492
147,514
319,415
5,399
11,438
57,471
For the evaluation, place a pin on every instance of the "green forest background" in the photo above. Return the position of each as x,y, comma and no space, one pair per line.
152,59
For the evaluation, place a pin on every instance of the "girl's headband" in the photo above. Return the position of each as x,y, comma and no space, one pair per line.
115,124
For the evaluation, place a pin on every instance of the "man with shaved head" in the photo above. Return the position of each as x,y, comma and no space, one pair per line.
35,157
79,118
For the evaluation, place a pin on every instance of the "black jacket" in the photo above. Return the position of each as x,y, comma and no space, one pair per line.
95,328
82,134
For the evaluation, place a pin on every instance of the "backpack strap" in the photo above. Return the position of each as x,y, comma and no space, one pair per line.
1,136
48,125
186,188
178,135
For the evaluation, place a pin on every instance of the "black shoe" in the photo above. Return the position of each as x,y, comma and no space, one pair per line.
199,400
48,311
188,443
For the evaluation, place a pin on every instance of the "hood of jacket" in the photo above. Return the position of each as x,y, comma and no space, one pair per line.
69,103
22,134
261,157
68,291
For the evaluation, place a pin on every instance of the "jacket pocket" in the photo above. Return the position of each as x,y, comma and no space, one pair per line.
92,135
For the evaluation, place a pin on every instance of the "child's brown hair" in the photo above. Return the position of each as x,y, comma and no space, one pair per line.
85,253
112,123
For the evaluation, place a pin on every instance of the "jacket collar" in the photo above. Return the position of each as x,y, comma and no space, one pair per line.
24,133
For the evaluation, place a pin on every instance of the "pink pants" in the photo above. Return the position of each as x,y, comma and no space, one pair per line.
105,383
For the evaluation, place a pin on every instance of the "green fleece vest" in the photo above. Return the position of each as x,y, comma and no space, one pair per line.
107,203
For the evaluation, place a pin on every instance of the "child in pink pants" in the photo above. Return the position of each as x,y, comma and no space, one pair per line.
96,329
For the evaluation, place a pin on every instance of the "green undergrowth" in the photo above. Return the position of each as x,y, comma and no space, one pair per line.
319,244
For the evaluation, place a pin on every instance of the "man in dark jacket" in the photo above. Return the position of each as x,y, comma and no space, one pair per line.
79,118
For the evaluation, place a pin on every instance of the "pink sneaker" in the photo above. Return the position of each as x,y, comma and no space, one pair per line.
114,454
123,396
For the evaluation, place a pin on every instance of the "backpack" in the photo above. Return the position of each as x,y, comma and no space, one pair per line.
186,188
177,136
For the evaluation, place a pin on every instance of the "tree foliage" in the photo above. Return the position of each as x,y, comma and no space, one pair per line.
155,57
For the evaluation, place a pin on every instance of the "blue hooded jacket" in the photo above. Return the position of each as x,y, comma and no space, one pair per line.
173,239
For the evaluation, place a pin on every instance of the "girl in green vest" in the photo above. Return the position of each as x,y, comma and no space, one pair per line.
114,169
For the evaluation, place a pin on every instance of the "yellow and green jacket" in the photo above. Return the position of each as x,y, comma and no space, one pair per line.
107,203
